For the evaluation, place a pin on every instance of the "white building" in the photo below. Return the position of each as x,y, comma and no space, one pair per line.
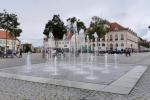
118,38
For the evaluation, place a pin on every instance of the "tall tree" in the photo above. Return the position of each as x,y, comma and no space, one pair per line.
8,22
75,29
56,26
97,25
80,24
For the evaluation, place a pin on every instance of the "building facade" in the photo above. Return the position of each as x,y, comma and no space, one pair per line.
118,38
12,43
144,45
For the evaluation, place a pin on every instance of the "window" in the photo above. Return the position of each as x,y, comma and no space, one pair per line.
99,39
122,44
8,42
4,42
116,45
111,38
122,37
116,37
111,46
103,44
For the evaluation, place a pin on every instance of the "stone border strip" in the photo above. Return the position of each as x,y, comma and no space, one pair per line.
126,83
121,86
67,83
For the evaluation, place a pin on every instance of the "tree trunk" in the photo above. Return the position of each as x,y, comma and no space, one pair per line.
12,43
6,42
15,44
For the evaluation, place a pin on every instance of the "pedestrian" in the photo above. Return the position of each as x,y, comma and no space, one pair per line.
129,51
20,53
122,51
126,51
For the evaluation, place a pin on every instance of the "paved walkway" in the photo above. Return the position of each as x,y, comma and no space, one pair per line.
11,89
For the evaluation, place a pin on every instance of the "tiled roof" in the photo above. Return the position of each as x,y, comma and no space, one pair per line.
116,27
3,35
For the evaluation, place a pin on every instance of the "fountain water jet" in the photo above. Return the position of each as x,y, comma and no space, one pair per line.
55,67
95,42
106,70
28,63
82,41
116,65
48,64
81,70
91,76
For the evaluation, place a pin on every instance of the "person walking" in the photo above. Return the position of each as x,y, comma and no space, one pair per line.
129,51
126,51
20,53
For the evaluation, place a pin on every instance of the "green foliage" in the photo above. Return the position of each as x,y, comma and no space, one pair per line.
27,47
9,22
72,20
17,32
97,25
80,24
56,26
147,45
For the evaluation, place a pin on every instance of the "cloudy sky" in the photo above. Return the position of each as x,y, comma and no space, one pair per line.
33,14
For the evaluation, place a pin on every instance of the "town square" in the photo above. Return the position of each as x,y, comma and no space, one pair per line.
58,51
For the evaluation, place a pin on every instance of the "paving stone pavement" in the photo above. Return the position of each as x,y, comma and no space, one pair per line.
11,89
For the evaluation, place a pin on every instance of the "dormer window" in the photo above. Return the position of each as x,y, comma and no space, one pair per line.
116,45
